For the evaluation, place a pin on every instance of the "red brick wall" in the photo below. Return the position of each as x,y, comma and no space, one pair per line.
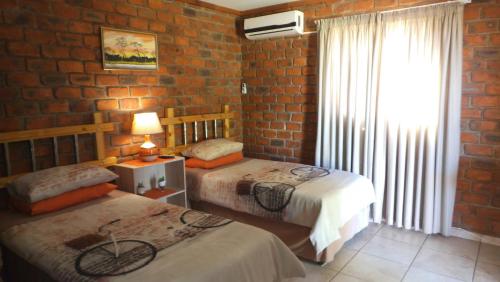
477,205
51,72
279,114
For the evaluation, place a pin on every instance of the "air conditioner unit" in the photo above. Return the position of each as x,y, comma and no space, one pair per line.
276,25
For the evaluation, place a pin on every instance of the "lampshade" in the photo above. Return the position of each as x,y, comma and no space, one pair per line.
146,123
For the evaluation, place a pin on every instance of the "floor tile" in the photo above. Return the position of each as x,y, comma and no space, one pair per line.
341,277
373,228
358,241
487,272
402,235
419,275
341,258
371,268
449,265
453,246
314,273
391,250
489,253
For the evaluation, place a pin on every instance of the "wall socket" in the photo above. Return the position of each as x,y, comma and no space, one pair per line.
244,88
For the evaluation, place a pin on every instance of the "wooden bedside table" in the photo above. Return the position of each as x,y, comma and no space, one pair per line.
133,172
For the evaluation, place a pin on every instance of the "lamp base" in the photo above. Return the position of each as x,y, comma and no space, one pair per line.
148,151
149,158
148,155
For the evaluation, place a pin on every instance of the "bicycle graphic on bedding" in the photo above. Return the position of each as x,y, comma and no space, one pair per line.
104,254
273,190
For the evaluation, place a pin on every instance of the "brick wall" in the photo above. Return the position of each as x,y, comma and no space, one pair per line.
477,205
51,72
279,113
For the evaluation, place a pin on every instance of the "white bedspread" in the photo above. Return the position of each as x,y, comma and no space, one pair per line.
324,204
234,252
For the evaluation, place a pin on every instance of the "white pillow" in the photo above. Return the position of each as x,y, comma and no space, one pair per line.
213,149
48,183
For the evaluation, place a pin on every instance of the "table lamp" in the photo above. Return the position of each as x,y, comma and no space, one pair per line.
146,124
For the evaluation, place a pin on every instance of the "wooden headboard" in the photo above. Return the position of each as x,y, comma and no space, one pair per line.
170,121
98,128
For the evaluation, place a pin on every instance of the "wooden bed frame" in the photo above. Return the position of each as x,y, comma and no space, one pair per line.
170,121
98,128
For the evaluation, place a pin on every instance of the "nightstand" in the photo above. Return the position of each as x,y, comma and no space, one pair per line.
148,173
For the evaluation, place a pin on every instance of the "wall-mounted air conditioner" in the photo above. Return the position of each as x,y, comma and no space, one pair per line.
276,25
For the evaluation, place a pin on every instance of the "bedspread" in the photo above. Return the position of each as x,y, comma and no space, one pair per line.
296,193
153,242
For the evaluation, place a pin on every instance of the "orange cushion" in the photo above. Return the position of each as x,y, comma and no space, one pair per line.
64,200
229,159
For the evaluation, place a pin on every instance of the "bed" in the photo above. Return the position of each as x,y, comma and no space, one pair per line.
124,237
313,210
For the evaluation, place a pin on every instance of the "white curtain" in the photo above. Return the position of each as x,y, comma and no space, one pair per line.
389,109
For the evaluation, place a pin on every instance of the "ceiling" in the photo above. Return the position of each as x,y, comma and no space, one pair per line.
243,5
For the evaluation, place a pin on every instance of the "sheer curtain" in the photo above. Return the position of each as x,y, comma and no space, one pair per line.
389,109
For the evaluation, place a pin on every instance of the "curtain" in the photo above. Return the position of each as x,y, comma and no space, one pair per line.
389,109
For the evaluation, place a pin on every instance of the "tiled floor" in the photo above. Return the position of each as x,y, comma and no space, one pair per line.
383,253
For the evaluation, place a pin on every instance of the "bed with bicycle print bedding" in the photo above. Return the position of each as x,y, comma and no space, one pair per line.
323,200
132,238
312,210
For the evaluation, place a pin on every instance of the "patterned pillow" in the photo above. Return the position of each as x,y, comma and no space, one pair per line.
47,183
212,149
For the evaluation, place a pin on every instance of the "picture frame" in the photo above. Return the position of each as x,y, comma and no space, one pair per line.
128,49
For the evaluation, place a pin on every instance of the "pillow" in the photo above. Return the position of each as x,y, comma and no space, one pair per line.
64,200
212,149
48,183
229,159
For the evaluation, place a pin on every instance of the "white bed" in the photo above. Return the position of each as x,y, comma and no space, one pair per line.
323,204
234,252
322,214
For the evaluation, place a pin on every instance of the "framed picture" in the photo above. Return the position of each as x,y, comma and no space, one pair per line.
123,49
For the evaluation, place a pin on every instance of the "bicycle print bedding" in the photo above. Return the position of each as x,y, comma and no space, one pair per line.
323,200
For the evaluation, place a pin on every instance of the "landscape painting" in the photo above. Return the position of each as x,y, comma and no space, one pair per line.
124,49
